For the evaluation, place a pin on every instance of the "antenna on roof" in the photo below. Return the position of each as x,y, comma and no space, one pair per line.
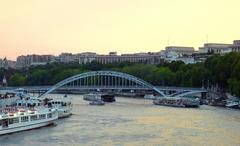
168,41
206,38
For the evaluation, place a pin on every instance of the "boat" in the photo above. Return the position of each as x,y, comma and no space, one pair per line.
62,105
92,97
8,98
97,102
108,98
232,103
29,101
149,96
177,101
26,118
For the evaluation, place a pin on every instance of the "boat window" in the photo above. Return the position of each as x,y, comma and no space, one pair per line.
19,104
0,122
24,119
42,116
49,115
10,121
15,120
34,117
38,104
50,104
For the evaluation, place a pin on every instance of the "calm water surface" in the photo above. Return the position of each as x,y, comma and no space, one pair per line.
131,122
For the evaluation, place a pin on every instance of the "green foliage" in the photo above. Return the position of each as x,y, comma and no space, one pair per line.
65,74
17,79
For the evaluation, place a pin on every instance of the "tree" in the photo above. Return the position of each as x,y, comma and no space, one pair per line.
17,80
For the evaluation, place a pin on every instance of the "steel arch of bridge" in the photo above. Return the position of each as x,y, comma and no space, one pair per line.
190,93
103,73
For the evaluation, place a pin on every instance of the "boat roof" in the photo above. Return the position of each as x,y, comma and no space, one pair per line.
38,111
7,91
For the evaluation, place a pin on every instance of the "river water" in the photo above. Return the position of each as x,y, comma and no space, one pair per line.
135,122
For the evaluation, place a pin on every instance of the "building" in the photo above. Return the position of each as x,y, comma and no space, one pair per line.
215,48
12,64
86,57
149,58
174,56
67,58
33,60
185,51
236,46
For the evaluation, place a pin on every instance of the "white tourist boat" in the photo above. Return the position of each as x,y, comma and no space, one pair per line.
7,98
29,101
62,105
26,119
92,97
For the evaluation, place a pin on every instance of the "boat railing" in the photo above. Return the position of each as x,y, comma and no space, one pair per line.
8,109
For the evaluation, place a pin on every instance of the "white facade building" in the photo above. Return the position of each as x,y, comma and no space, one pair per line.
149,58
188,51
215,48
174,56
236,46
33,60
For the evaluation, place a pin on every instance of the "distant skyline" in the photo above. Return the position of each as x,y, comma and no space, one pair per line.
125,26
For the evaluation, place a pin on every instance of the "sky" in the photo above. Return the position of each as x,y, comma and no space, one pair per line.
125,26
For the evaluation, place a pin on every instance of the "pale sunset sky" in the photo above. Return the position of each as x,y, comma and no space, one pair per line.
125,26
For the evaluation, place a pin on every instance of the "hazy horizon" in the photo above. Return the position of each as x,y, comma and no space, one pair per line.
56,26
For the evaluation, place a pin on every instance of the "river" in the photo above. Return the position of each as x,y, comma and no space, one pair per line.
135,122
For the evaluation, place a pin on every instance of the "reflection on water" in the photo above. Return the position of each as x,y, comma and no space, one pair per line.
135,122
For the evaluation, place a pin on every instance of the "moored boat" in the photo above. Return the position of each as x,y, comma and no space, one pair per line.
177,101
232,103
62,105
7,98
91,97
26,119
108,98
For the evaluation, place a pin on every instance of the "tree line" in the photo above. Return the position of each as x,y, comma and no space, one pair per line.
222,71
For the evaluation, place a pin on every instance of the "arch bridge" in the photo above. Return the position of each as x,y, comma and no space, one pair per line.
104,80
112,80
